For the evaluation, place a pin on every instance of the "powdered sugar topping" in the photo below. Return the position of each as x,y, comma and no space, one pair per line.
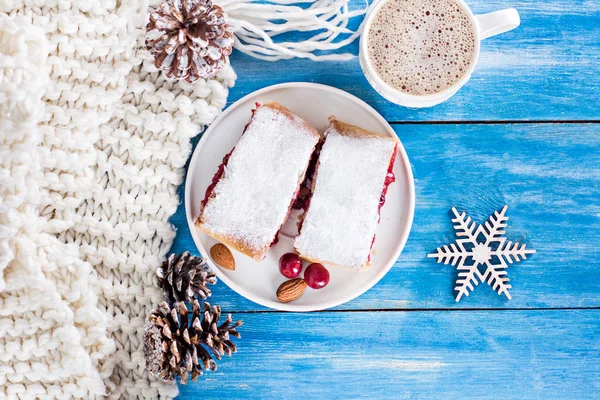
261,178
343,214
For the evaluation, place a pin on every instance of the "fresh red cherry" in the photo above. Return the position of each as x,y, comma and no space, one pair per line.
316,276
290,265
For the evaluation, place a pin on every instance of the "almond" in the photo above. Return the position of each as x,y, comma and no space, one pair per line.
291,290
222,256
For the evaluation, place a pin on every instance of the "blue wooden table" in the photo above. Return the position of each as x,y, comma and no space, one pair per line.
525,132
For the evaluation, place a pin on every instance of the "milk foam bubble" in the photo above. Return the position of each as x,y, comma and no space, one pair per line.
421,47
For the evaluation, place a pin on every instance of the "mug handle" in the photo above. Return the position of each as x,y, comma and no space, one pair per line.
497,22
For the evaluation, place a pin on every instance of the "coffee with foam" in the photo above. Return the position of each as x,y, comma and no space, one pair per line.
421,47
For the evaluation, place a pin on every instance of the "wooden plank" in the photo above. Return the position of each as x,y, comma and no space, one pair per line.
547,69
547,174
402,355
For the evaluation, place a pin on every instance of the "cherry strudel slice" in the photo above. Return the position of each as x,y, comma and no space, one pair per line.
254,189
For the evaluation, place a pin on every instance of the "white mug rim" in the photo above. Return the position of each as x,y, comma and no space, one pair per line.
411,98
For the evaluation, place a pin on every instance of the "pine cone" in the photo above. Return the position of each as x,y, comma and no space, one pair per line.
190,39
183,276
172,348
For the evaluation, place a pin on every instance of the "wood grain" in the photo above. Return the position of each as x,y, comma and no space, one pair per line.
546,69
410,355
544,343
547,174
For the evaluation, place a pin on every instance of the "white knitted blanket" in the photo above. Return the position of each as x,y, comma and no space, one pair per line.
93,142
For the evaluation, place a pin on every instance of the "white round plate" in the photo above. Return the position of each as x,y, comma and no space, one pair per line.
258,281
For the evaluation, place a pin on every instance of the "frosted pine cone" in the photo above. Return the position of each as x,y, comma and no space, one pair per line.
184,276
190,39
174,347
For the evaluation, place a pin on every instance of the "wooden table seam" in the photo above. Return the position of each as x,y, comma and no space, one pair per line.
390,310
495,122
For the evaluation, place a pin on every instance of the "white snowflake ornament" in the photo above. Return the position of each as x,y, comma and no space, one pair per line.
491,252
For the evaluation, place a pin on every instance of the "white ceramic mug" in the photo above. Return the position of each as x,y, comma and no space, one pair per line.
486,25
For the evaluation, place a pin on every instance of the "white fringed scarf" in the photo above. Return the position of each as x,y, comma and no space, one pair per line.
257,24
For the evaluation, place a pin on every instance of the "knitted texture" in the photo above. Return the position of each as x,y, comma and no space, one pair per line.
93,142
52,335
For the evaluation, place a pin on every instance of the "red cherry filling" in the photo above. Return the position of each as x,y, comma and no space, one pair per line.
276,240
389,178
301,199
303,196
216,178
